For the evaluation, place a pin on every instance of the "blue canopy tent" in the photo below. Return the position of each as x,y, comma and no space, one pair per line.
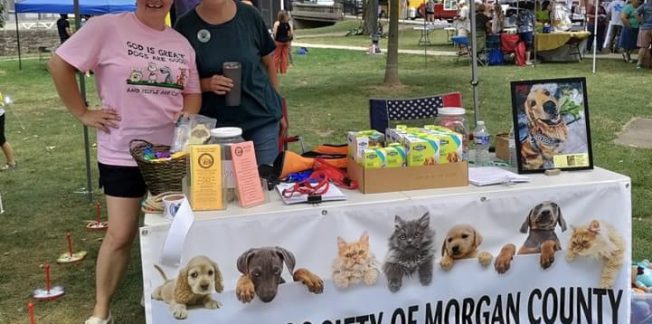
78,7
86,7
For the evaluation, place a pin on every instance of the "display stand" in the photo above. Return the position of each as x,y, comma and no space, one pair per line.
524,293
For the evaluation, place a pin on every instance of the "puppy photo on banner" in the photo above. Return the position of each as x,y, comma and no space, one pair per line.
551,119
353,252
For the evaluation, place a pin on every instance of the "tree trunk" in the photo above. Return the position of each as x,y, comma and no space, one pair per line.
391,67
367,17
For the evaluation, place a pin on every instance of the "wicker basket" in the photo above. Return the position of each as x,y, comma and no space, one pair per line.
159,176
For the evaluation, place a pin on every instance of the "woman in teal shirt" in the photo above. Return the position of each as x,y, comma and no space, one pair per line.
227,30
630,29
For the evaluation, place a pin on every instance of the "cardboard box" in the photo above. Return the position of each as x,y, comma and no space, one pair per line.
502,146
409,178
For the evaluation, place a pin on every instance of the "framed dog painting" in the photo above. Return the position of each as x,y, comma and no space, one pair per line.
552,122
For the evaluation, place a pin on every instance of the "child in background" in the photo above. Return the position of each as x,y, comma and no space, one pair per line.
6,148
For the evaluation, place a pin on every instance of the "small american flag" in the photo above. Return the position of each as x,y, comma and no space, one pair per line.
384,111
414,108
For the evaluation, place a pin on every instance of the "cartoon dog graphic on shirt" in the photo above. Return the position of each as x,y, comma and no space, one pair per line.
152,76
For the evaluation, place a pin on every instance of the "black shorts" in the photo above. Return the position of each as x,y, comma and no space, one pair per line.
2,130
121,181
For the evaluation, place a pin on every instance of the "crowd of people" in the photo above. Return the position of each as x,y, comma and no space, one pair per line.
621,26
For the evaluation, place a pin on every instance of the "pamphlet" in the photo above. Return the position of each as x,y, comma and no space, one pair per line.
483,176
206,177
250,192
333,193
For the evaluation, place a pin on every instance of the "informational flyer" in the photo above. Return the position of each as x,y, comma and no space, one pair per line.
250,192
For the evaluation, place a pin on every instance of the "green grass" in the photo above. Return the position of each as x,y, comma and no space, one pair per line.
327,92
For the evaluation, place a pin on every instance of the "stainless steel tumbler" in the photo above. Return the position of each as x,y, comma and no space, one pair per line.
233,71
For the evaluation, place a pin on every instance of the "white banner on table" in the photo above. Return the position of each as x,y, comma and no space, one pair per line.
468,293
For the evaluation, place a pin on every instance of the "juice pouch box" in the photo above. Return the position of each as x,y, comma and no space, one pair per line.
358,142
395,156
415,131
374,158
437,128
450,146
394,135
421,151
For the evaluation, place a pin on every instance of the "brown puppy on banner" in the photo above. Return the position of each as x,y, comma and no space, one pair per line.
261,270
541,221
462,242
193,286
547,130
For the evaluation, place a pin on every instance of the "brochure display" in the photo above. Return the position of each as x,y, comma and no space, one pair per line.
555,281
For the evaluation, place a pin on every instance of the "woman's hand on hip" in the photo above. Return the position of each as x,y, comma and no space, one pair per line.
102,119
217,83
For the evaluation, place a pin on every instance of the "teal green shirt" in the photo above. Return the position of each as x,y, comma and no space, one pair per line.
628,11
244,39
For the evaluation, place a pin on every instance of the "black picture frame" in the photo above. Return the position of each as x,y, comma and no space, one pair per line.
551,123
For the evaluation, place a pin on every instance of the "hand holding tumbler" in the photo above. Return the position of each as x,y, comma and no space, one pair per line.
233,71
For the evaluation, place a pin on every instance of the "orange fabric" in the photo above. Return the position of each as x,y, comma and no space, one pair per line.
281,55
331,149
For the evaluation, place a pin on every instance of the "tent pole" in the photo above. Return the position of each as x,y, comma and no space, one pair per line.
474,62
534,35
82,90
595,30
425,46
20,62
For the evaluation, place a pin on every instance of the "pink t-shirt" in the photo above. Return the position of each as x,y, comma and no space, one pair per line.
140,72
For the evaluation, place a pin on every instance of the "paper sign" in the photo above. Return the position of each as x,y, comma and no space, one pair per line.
173,245
206,177
247,179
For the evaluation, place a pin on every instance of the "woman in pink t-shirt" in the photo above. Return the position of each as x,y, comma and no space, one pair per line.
146,77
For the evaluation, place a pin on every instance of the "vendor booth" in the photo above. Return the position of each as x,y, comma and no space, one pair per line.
532,289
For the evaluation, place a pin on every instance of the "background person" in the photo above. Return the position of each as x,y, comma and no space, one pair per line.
498,19
63,27
601,15
525,29
462,24
644,14
629,34
482,25
7,150
282,33
119,48
215,28
615,25
430,11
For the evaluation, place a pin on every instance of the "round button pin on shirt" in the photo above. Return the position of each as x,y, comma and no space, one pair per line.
203,35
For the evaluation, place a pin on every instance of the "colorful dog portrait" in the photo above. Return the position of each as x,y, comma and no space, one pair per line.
552,124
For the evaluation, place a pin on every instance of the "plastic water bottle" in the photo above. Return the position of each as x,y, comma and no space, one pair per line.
512,149
481,141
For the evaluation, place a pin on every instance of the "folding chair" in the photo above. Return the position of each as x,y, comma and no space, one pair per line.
384,111
285,139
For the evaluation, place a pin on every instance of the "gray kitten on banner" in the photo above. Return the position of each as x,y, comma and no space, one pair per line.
410,250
